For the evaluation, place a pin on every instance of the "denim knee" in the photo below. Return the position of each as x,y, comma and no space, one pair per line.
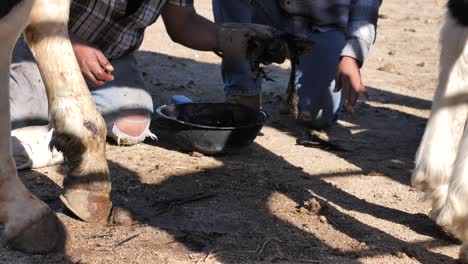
121,138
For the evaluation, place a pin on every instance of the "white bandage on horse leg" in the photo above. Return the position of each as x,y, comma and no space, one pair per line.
31,148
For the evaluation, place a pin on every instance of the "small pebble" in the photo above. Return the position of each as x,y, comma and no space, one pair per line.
383,16
190,84
400,254
196,154
388,67
122,216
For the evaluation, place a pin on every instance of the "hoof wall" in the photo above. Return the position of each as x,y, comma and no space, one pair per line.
91,207
43,236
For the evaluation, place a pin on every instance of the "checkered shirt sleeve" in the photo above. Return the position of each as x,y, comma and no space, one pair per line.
357,17
181,2
116,27
362,29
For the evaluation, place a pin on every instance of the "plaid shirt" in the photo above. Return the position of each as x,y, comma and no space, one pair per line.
357,17
116,27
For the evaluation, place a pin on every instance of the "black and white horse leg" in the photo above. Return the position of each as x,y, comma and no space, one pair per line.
29,224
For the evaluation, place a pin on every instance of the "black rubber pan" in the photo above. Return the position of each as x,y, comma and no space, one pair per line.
208,128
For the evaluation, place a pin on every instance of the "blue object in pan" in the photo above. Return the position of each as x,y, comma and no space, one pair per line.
180,99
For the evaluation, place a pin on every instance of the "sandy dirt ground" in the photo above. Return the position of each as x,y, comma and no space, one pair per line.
275,201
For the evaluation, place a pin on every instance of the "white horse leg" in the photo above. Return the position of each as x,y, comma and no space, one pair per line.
80,131
439,146
454,213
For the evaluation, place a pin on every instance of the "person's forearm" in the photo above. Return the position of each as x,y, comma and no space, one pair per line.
192,30
200,35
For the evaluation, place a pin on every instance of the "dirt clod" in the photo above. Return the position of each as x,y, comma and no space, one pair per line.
313,206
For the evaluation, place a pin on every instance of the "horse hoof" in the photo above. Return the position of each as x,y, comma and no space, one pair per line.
46,235
91,207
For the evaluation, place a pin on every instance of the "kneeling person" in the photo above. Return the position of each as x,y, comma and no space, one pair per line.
104,37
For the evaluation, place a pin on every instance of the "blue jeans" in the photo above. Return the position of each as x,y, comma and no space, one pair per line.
315,82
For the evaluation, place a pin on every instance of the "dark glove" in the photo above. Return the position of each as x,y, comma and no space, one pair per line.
253,42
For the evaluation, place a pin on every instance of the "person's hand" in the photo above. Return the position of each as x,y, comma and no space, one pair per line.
94,66
348,79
